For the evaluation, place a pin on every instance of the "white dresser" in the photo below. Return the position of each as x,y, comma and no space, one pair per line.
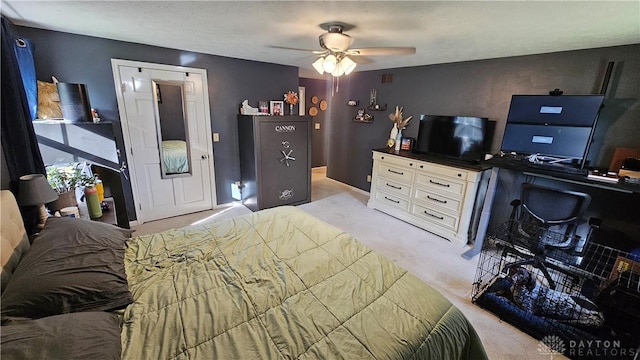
438,198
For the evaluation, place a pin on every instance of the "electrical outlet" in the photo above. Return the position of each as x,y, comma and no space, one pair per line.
369,178
317,126
216,137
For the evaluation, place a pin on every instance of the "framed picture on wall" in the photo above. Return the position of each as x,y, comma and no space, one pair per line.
302,103
276,108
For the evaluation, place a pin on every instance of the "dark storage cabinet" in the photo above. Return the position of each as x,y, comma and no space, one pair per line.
275,160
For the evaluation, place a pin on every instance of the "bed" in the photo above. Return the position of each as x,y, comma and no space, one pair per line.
275,284
174,156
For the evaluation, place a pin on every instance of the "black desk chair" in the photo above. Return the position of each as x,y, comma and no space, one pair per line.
544,219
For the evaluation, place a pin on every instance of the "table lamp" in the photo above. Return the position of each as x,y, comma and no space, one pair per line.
35,190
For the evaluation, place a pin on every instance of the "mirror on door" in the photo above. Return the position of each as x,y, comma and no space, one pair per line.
172,129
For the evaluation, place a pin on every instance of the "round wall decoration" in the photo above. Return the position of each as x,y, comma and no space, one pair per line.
313,111
314,99
323,105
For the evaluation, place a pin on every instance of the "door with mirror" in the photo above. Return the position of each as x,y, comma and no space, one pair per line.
165,116
172,128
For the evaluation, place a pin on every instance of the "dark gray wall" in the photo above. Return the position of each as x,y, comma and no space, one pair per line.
483,88
83,59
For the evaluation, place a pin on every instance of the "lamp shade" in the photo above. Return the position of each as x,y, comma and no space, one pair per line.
330,63
34,189
318,65
338,71
347,65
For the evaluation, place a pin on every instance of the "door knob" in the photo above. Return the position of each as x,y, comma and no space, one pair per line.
204,156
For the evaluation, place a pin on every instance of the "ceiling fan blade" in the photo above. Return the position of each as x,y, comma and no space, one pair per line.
381,51
298,49
315,52
361,60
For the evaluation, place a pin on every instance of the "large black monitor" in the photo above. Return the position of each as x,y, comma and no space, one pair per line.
555,142
558,128
569,110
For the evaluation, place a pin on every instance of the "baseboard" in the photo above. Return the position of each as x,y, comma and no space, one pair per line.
352,188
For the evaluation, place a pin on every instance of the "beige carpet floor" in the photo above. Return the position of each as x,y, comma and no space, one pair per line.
433,259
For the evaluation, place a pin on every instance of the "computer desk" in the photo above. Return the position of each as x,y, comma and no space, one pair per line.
617,205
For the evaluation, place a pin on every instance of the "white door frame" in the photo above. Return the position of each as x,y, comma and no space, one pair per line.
115,63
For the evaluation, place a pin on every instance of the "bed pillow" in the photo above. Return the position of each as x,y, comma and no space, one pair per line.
87,335
73,265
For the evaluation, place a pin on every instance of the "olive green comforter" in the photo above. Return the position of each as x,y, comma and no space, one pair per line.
281,284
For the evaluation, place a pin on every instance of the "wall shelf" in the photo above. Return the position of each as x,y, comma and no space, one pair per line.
377,107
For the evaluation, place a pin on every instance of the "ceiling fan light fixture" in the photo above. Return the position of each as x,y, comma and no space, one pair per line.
330,63
347,65
318,65
339,70
335,41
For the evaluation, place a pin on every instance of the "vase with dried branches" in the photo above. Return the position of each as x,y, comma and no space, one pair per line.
399,124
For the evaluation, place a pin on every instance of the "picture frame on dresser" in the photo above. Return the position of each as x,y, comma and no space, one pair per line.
276,108
406,143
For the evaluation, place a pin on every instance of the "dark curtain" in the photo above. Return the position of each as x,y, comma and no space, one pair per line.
19,142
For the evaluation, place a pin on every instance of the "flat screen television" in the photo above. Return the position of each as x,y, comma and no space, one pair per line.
461,137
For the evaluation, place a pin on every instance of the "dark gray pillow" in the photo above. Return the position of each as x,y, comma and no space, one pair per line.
73,265
86,335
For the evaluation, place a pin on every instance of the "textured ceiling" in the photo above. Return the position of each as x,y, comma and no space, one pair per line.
441,31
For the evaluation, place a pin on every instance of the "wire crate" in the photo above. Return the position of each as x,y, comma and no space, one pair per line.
590,292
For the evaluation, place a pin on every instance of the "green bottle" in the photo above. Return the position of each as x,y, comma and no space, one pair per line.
93,203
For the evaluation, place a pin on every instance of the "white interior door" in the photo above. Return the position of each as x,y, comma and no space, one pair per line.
158,196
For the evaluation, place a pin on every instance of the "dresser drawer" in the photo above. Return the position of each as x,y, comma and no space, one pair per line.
392,200
444,171
435,200
441,185
393,187
434,216
393,172
396,160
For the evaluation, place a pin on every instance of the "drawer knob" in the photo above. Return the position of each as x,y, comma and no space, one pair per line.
410,164
421,166
459,175
437,183
381,157
434,216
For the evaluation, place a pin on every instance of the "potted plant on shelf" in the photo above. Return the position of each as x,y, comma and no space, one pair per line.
64,180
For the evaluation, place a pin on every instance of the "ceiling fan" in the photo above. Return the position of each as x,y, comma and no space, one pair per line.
336,41
335,56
